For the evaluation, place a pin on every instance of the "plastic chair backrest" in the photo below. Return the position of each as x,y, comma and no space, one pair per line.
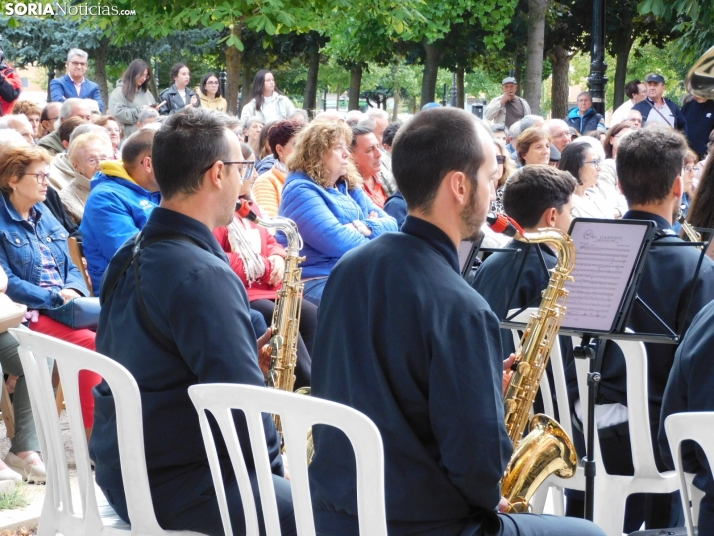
58,509
298,413
75,251
695,426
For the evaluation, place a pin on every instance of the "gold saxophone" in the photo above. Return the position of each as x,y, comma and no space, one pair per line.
690,231
547,448
286,315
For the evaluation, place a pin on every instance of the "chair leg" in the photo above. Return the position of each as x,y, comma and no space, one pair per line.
8,414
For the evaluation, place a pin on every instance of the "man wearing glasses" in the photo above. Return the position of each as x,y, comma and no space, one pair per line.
191,326
73,84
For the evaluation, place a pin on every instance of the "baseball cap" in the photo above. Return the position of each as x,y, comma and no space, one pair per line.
509,80
654,77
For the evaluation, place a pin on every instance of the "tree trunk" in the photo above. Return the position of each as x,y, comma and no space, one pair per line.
560,58
355,84
519,77
234,57
431,70
100,70
534,62
310,100
460,94
395,91
623,44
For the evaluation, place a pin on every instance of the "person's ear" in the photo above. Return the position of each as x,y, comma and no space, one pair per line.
65,144
456,181
678,187
146,163
549,216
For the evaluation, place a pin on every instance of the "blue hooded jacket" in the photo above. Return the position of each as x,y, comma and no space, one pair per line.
117,209
590,121
321,215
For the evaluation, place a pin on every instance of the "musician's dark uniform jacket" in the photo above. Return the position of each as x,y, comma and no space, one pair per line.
426,368
194,299
691,388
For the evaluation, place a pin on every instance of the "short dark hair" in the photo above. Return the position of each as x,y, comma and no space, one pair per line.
359,130
67,127
185,147
390,132
175,68
422,155
632,88
139,143
281,133
572,158
532,190
648,161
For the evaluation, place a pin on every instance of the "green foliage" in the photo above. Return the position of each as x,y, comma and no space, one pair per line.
16,498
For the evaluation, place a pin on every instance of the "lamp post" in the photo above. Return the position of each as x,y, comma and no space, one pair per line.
453,89
597,79
156,74
222,80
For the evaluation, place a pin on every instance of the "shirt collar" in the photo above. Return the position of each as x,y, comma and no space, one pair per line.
642,215
435,237
165,221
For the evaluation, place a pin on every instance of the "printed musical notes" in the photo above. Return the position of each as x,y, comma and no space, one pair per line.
606,252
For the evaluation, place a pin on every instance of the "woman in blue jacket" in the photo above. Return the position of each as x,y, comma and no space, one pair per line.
35,256
324,197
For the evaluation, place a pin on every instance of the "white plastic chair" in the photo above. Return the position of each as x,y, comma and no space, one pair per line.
298,413
554,482
699,427
611,491
59,513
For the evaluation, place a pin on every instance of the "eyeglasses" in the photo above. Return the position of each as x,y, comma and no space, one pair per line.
245,168
212,83
95,161
113,130
596,163
78,63
40,176
500,159
690,168
561,135
52,118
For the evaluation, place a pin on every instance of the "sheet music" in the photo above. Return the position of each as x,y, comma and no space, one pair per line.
606,253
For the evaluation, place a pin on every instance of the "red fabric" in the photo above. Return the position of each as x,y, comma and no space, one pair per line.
378,195
259,290
85,339
12,78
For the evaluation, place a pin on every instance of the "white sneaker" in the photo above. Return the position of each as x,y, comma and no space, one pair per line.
30,469
9,474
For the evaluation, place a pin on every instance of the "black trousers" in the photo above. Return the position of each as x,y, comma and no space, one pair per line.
308,324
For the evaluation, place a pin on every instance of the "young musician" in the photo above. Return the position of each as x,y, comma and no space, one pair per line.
537,196
422,356
649,169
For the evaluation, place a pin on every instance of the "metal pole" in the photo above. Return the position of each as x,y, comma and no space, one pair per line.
50,77
156,74
453,90
222,81
597,79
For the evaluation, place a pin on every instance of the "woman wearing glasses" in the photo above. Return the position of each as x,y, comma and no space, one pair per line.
210,94
583,162
128,100
35,257
116,133
257,258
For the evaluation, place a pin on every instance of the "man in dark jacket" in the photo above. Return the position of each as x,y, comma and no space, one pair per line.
584,118
186,285
422,357
657,108
699,113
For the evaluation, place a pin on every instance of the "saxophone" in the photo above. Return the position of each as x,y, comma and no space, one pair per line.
547,448
690,231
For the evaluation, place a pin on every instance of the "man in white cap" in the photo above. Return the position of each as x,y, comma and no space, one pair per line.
508,108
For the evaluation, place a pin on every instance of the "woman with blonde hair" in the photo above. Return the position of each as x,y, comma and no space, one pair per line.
323,195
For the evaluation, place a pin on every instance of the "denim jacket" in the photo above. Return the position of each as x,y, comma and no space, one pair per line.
20,256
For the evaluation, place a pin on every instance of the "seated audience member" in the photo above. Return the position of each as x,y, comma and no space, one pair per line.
48,118
649,169
701,211
499,132
259,261
354,117
396,356
533,146
323,196
70,108
388,140
35,257
30,110
199,188
21,124
378,121
115,131
123,195
94,110
583,163
252,129
268,187
62,171
607,181
85,154
689,390
506,167
559,133
537,196
395,205
367,158
146,117
688,173
264,157
634,117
